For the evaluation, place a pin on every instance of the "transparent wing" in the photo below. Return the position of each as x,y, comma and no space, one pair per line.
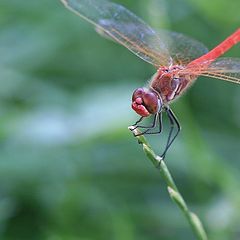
124,27
182,49
227,69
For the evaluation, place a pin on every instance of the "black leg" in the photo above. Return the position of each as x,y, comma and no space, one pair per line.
148,127
139,126
135,125
173,121
160,125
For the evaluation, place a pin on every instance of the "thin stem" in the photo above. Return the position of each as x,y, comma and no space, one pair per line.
175,195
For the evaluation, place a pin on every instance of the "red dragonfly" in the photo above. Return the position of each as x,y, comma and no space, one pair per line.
179,59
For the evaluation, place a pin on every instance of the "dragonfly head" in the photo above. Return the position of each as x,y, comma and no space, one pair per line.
146,102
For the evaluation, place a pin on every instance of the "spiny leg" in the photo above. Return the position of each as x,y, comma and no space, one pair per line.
173,121
160,125
139,126
148,127
136,123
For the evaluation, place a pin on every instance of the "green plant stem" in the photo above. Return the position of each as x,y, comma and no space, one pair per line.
175,195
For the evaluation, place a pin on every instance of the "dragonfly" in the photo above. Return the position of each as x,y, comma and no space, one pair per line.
179,61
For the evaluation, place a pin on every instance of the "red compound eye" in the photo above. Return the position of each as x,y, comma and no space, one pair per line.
145,102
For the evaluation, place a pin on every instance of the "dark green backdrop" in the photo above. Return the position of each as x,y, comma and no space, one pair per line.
70,169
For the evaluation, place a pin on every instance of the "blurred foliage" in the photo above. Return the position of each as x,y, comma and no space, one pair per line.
69,168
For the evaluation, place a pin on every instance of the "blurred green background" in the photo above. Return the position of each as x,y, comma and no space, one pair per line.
69,167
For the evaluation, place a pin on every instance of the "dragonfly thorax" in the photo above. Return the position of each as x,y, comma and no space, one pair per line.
170,82
146,101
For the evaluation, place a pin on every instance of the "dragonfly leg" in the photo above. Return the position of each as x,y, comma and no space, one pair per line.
135,125
160,125
148,127
173,122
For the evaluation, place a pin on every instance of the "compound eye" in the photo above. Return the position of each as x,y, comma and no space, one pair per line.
150,100
138,93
